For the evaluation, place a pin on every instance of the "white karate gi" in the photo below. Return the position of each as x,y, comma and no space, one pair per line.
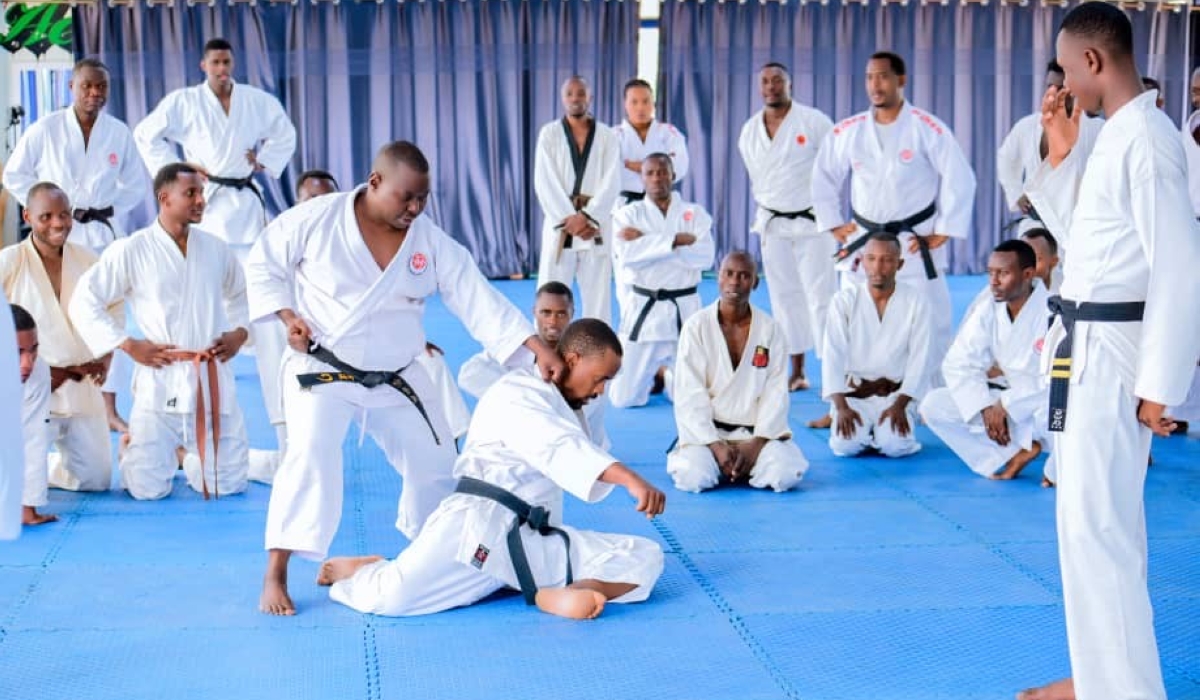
78,424
797,255
1192,150
753,395
457,415
922,163
660,138
187,302
1133,237
553,180
859,345
524,438
987,338
35,428
107,172
481,371
653,262
192,119
12,457
312,259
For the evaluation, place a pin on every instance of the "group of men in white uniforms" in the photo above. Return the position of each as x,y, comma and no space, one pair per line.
92,156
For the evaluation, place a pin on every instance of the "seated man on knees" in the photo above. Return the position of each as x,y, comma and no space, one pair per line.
731,393
553,311
995,423
503,525
187,294
35,416
662,245
875,362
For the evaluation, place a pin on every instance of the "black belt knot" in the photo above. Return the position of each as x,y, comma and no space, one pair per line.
895,228
536,517
370,379
88,215
653,297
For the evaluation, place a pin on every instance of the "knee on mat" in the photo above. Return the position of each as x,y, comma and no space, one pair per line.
893,445
845,447
690,473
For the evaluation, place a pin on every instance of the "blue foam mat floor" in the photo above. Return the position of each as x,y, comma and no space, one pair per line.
884,579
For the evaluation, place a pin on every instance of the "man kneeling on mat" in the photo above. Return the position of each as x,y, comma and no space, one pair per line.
503,525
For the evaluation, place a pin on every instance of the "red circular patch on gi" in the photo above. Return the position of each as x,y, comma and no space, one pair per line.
417,263
801,140
906,156
1037,346
112,159
689,215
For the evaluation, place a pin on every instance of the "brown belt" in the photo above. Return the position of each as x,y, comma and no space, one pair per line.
867,388
196,358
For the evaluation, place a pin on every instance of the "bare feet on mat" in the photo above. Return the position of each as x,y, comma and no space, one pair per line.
335,569
822,423
572,603
275,599
1046,483
798,383
30,516
1018,462
1058,690
116,423
122,445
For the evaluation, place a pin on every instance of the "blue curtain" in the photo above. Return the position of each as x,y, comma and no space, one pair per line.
469,82
979,69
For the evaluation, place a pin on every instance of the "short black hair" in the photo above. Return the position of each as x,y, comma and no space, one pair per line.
1053,67
636,83
170,173
885,237
659,155
88,63
557,289
776,64
1045,235
22,319
589,336
1151,84
217,44
44,186
405,152
315,175
1026,258
1105,24
893,59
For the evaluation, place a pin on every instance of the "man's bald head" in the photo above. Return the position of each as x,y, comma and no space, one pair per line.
47,190
398,187
576,81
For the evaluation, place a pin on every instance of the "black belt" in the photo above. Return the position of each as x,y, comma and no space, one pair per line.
997,387
1031,215
87,216
536,517
1070,312
720,425
239,183
792,215
895,228
631,196
655,296
349,373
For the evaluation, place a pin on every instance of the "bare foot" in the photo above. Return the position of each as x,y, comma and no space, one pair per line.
572,603
1018,462
180,455
30,516
337,568
822,423
116,423
122,445
1046,483
1058,690
798,383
